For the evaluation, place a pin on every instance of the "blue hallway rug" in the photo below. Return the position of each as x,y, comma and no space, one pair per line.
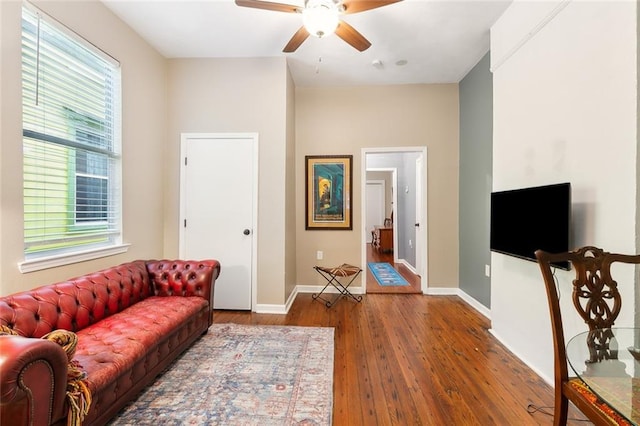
386,275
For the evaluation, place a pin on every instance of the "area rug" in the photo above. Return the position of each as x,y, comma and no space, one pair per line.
386,275
243,375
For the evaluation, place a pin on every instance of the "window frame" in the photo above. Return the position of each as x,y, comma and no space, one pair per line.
80,251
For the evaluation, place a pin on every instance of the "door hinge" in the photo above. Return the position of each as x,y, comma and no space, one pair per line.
185,223
185,161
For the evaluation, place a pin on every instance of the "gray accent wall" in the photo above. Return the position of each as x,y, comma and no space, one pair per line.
476,146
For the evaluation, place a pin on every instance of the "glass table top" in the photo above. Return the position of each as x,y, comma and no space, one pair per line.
608,361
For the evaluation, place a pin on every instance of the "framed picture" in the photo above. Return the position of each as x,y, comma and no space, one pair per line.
328,192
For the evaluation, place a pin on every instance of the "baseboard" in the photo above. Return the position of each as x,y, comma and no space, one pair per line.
284,309
549,380
450,291
271,309
433,291
277,309
442,291
408,266
475,304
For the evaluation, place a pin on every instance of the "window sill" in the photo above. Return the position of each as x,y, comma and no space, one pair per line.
67,259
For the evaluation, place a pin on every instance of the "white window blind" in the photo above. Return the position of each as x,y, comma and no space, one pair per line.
71,128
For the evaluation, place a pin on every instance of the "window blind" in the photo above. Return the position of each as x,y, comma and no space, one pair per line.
71,147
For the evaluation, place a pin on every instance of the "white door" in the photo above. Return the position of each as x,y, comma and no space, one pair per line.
217,210
375,205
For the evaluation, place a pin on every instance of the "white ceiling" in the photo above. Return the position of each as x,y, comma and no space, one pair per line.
441,40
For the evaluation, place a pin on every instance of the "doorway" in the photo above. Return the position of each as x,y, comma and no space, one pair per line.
218,199
409,219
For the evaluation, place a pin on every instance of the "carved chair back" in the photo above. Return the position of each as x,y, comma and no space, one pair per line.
596,299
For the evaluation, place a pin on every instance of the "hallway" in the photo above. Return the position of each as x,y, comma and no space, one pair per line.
373,286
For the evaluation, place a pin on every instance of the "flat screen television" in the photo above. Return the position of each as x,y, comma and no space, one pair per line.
527,219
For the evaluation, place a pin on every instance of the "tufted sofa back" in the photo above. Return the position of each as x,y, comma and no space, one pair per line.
181,277
80,302
76,303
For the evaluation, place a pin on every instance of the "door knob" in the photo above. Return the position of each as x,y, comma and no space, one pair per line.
246,232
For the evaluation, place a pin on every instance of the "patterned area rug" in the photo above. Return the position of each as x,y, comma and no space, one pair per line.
386,275
243,375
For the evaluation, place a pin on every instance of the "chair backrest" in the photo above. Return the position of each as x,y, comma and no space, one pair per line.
595,296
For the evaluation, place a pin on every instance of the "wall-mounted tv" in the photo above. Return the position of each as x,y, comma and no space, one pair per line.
527,219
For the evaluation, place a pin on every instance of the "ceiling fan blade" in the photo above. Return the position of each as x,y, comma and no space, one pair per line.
355,6
297,39
267,5
351,36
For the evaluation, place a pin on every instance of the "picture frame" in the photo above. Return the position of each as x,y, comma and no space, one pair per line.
328,192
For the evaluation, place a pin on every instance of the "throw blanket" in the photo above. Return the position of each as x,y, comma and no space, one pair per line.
78,394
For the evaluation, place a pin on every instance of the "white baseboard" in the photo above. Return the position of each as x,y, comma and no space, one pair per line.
408,266
433,291
277,309
475,304
450,291
549,380
271,309
284,309
442,291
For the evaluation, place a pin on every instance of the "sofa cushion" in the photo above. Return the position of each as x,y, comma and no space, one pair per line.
110,347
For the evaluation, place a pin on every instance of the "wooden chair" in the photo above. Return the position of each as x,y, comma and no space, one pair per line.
597,300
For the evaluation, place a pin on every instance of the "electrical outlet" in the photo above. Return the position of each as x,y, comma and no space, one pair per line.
410,244
319,255
487,270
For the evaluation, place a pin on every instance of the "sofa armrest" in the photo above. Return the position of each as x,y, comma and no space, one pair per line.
33,383
184,278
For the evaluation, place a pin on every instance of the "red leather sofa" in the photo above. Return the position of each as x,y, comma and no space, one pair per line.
131,321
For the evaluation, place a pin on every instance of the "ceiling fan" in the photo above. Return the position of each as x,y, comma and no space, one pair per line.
321,18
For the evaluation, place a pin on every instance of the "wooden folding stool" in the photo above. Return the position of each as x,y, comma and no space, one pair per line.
333,275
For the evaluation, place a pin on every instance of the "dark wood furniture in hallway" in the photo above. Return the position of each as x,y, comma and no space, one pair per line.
383,239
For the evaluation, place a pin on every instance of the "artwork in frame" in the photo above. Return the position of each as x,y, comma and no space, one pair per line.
328,192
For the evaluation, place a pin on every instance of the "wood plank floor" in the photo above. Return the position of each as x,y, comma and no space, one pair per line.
411,359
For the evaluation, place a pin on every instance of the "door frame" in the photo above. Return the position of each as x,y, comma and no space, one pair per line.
253,136
394,204
424,282
420,206
384,191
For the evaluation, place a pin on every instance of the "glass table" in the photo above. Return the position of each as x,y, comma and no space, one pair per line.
608,361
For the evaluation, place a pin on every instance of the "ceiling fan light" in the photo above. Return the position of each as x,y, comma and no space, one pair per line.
320,17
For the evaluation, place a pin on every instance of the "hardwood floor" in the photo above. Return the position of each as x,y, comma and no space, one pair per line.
409,359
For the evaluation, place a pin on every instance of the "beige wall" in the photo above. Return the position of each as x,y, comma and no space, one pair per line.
235,95
345,120
143,110
164,98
